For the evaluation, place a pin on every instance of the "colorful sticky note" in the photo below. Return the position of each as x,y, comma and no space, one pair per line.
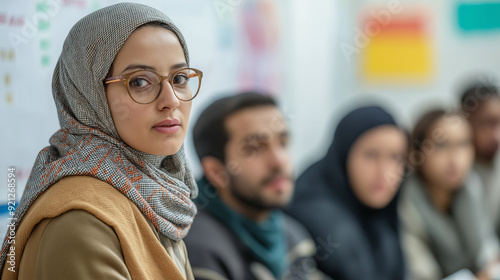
42,6
401,52
44,44
7,79
45,60
43,25
478,16
8,98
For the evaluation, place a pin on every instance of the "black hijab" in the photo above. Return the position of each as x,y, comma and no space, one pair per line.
353,241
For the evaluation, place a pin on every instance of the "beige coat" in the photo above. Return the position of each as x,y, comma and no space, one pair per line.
83,228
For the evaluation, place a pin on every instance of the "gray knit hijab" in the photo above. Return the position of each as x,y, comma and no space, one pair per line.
88,143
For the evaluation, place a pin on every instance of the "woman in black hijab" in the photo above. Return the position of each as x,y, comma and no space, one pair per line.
347,200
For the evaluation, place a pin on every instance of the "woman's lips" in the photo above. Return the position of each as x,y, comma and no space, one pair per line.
168,126
167,129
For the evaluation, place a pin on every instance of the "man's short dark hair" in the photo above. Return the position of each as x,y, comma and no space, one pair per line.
476,94
209,133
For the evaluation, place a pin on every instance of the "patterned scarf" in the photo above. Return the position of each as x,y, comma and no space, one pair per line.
89,145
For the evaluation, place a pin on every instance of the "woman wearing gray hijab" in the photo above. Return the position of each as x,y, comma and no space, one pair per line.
111,196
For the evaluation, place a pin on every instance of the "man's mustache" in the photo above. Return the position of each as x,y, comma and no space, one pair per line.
275,174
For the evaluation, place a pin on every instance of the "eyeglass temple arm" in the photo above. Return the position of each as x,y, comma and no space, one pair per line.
118,78
112,79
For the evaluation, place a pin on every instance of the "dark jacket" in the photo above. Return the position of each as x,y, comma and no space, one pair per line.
215,252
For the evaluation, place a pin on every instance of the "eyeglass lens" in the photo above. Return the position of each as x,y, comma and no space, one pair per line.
144,86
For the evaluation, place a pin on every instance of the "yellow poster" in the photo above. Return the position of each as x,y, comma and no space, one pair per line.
399,50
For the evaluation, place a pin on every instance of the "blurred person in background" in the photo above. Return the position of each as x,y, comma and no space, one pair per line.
348,199
481,105
240,231
445,225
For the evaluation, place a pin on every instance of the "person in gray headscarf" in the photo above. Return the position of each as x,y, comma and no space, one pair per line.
111,196
446,227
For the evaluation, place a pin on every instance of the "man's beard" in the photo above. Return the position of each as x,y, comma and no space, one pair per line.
256,202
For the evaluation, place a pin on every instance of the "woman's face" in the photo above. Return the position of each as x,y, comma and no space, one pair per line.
447,163
375,165
137,124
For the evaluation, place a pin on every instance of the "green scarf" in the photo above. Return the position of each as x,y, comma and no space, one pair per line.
265,241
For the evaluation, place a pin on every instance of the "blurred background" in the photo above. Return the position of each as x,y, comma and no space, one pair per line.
319,58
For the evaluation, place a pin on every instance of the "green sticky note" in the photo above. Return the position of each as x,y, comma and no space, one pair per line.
44,44
45,60
479,16
41,6
43,25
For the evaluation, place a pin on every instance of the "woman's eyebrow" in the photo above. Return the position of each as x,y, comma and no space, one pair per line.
138,66
147,67
178,66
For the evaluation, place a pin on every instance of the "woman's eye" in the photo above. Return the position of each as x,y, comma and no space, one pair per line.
180,79
138,83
